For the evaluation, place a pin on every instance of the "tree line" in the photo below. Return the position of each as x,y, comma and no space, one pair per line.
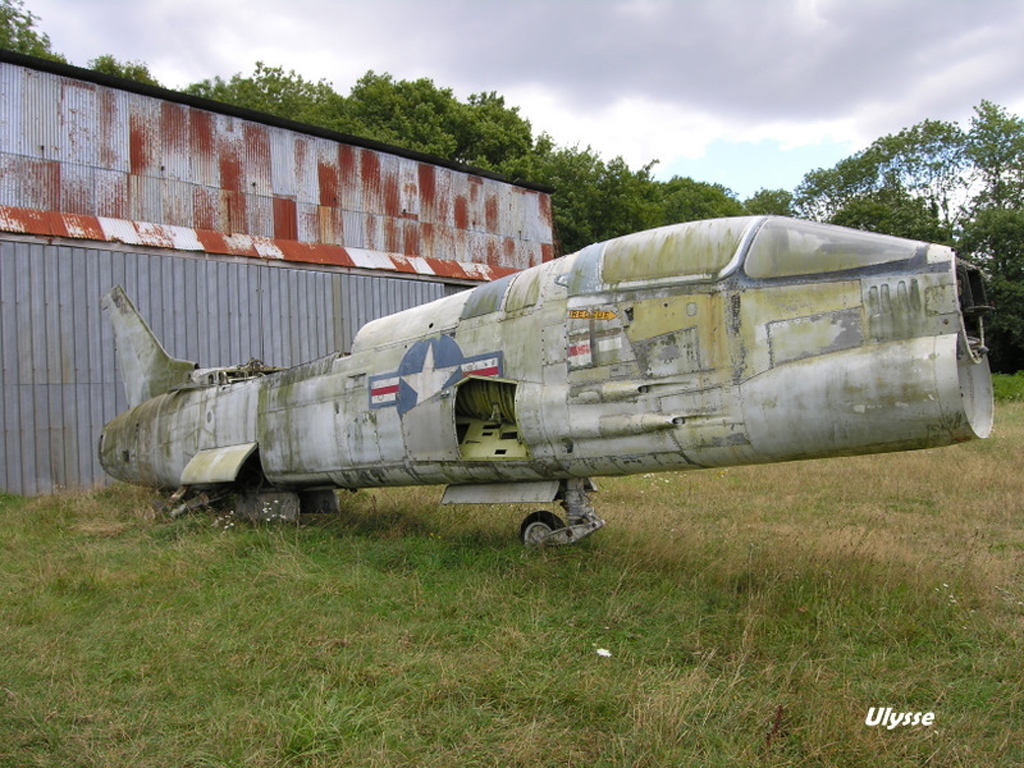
935,181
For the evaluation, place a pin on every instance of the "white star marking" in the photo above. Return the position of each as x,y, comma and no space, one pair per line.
431,379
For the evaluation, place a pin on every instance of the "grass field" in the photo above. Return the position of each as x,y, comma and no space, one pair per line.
752,616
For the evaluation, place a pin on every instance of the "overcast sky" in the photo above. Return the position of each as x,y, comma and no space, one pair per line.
745,93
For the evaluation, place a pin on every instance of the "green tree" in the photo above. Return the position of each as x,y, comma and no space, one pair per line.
683,199
995,241
593,200
491,134
893,211
910,184
130,70
929,161
413,114
416,114
18,31
770,202
824,192
276,92
993,237
995,147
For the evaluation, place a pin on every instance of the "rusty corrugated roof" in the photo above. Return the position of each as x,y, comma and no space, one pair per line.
80,227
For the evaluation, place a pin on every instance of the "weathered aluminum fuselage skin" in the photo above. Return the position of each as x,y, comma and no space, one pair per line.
707,344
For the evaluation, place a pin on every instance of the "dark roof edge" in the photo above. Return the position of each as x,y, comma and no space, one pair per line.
157,92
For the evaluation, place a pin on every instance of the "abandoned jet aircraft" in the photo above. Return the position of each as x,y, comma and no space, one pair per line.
704,344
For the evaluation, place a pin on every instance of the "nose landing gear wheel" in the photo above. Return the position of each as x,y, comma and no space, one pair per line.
538,526
545,529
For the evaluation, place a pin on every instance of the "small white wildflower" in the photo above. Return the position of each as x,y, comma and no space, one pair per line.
604,652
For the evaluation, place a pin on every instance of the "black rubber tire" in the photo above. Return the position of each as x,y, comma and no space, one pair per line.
537,525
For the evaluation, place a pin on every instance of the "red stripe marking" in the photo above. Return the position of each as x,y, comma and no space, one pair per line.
491,371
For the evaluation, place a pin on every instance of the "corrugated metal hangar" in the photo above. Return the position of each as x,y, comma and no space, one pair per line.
238,235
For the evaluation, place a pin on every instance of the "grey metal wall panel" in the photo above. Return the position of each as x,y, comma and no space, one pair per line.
26,447
59,381
10,471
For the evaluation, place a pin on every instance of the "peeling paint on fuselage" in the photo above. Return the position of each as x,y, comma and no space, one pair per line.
710,360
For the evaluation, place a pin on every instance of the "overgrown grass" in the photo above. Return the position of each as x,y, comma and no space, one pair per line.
783,601
1008,388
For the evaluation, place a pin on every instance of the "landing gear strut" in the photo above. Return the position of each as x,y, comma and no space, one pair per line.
542,528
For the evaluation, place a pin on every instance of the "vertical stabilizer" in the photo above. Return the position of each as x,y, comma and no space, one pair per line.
146,367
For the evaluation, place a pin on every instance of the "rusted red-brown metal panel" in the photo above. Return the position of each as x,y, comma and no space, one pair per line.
87,147
32,221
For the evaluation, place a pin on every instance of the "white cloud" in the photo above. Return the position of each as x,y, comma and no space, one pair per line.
672,80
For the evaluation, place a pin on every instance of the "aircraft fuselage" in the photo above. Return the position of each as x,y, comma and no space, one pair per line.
707,344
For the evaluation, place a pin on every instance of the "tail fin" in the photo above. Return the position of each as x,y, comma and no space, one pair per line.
146,367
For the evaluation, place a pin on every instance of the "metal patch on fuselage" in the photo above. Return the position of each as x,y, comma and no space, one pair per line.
821,334
670,353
